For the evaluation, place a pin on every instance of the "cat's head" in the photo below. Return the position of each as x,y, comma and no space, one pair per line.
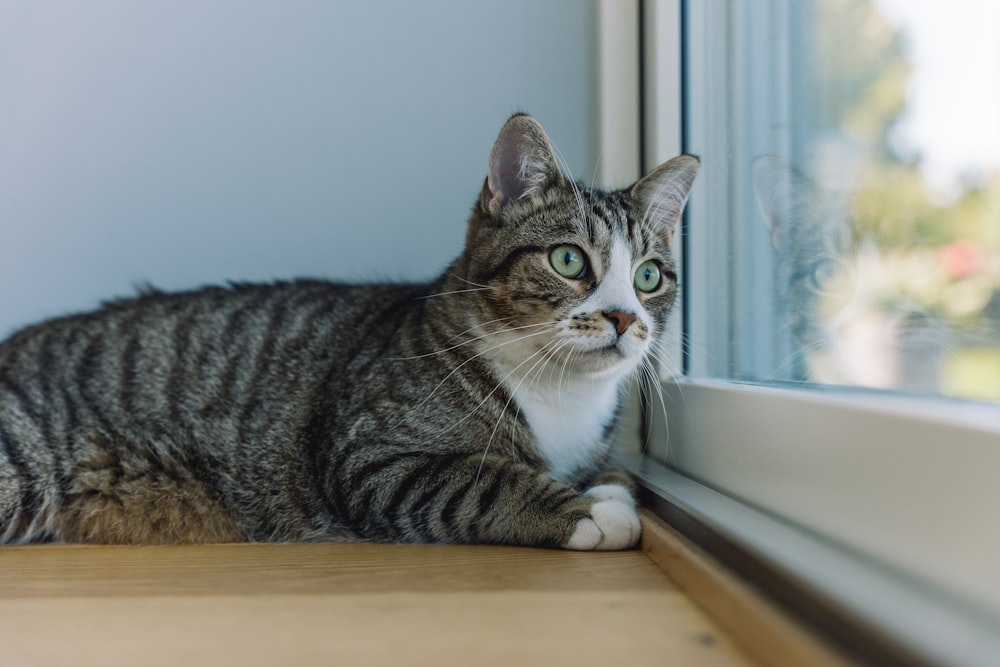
809,240
572,278
858,314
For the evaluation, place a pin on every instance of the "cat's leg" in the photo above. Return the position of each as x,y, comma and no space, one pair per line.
463,498
29,490
119,492
17,500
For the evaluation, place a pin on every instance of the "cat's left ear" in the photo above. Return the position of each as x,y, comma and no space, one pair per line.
663,192
522,165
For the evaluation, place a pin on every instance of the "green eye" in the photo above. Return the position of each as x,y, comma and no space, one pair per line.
568,261
647,277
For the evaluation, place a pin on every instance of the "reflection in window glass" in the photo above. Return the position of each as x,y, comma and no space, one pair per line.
883,208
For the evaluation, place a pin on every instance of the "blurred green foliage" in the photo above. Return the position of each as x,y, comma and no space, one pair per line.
859,94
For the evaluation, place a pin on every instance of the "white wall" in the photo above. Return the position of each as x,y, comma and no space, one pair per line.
196,141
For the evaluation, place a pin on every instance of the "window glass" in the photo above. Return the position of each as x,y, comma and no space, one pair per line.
843,236
862,144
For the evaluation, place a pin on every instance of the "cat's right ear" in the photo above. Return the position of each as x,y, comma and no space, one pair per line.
522,165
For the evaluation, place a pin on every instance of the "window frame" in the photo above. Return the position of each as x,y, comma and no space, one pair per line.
773,469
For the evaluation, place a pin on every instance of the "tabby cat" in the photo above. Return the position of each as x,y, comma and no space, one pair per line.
479,408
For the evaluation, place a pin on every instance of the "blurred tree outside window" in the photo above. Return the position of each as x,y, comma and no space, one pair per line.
893,196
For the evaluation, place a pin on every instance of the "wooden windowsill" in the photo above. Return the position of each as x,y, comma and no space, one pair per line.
360,604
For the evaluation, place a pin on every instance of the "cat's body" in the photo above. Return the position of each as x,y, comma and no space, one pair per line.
480,407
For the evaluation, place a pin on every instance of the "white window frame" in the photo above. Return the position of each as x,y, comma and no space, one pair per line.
879,504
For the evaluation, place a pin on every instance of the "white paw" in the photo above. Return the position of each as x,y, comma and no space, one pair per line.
612,525
611,492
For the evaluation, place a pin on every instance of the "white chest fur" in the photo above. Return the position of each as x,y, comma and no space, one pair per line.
569,422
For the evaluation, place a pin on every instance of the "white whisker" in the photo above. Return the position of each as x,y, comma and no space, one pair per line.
584,220
501,330
469,282
653,380
457,291
475,356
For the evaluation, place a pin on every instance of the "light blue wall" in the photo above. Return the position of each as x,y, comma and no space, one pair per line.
196,141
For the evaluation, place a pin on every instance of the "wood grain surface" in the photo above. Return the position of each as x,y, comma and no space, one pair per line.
345,604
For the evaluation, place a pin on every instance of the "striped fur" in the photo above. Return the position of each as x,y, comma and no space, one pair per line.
310,410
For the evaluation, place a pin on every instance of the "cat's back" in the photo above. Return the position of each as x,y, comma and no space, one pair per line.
170,324
216,355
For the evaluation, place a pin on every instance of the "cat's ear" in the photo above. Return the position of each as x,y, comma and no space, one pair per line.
522,165
789,201
663,192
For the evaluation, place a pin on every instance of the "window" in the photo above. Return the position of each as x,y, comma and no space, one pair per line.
839,377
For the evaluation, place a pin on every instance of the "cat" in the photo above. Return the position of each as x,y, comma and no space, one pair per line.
478,408
850,308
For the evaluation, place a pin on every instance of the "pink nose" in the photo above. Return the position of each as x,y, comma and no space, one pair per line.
621,320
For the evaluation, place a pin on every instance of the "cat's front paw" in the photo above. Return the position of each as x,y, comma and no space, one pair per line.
612,525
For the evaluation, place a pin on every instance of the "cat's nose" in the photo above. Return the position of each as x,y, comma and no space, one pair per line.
620,319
